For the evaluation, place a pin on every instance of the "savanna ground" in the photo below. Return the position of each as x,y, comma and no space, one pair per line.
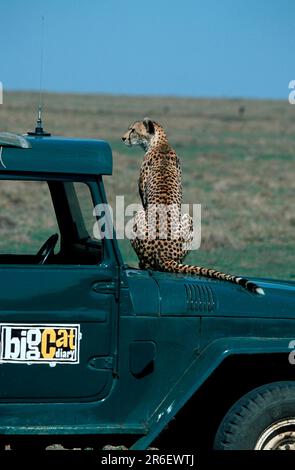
239,167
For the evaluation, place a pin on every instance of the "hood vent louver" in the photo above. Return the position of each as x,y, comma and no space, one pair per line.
200,298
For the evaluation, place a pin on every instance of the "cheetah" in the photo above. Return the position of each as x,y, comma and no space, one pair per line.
160,187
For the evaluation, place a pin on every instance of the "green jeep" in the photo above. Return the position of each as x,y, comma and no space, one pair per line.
96,352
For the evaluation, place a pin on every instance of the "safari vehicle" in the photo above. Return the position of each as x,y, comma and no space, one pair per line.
95,352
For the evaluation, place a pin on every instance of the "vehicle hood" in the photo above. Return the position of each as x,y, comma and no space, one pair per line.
193,295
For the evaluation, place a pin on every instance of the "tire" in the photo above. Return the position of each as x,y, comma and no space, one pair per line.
263,419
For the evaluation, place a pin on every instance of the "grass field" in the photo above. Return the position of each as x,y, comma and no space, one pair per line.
240,168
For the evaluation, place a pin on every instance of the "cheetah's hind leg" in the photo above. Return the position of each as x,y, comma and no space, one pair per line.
186,233
139,241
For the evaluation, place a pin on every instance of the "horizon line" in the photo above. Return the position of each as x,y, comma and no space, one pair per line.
142,95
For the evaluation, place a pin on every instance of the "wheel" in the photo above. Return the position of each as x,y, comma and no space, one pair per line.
263,419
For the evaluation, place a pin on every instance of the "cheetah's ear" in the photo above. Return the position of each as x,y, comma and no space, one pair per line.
149,125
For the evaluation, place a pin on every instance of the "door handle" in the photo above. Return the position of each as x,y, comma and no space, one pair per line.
104,287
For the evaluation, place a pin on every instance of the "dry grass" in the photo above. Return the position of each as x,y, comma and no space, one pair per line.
241,169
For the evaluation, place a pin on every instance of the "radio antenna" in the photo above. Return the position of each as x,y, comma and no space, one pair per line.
41,70
39,128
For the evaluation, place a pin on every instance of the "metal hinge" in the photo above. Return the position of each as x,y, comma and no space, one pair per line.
103,362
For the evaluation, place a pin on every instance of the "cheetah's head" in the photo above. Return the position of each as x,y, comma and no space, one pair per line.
140,133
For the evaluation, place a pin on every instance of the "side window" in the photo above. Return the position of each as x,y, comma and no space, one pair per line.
27,219
32,211
86,206
79,244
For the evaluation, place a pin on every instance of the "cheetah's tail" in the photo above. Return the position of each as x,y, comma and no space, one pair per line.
174,267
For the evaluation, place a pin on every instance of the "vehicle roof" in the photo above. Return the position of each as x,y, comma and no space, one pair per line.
59,155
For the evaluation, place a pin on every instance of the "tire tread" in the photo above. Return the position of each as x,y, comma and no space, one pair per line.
248,409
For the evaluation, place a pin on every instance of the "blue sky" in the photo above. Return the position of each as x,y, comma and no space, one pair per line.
206,48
